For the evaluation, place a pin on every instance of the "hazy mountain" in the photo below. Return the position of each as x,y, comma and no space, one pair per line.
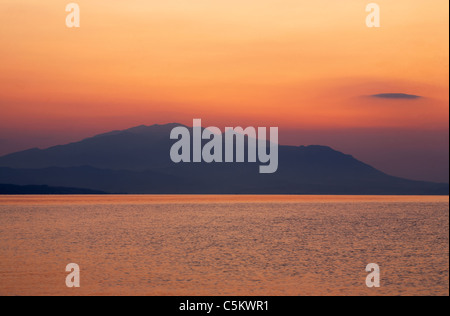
138,161
139,148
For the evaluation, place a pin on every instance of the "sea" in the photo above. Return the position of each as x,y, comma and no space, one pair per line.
196,245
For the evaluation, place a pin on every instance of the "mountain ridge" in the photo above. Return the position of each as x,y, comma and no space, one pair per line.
137,160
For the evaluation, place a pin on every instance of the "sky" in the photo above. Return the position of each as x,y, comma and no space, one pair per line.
312,68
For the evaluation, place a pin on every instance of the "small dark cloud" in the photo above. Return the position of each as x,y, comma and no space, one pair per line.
396,96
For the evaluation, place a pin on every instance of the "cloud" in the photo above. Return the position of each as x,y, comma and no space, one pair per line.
396,96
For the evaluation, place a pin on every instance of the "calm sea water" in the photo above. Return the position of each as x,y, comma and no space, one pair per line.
224,245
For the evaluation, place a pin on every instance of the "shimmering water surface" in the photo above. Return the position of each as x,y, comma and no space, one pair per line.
224,245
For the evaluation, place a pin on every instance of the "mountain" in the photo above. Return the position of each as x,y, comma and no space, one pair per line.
139,148
137,160
42,189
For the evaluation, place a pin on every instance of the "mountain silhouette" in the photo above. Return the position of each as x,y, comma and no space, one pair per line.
138,161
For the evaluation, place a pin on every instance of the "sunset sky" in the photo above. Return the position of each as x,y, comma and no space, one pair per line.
309,67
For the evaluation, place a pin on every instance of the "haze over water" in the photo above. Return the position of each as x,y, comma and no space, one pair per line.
224,245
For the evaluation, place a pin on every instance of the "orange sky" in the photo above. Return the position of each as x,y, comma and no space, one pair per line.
288,63
294,62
